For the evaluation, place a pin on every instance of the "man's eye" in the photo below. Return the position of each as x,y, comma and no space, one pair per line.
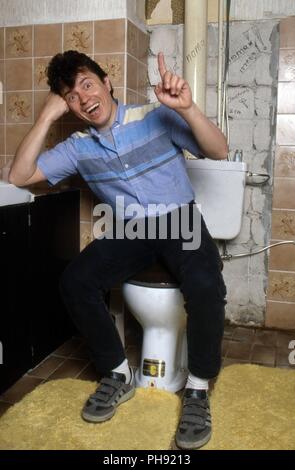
88,85
71,98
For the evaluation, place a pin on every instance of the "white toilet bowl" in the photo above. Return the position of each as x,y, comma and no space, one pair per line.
161,313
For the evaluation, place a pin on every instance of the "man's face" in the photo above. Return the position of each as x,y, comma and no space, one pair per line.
90,100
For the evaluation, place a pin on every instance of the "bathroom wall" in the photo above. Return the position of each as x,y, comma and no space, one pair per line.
118,45
253,82
280,311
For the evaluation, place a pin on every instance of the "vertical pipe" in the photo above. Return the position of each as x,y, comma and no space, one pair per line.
195,49
220,64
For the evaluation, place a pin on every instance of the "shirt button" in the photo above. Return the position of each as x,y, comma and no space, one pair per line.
126,165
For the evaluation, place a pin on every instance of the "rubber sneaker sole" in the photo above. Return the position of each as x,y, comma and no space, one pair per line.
101,418
193,445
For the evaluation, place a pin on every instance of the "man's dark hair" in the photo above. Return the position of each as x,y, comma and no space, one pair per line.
63,69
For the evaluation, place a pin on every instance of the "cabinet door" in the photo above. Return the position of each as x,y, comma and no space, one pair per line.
54,242
15,300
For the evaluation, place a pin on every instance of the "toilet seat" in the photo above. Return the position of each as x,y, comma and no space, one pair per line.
156,276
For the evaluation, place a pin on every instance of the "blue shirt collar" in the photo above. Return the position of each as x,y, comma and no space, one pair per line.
117,121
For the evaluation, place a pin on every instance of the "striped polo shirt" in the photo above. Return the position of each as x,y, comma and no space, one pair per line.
142,161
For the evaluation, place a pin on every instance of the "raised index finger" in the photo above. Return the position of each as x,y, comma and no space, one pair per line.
161,64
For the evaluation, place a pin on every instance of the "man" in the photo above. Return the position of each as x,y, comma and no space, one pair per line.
134,152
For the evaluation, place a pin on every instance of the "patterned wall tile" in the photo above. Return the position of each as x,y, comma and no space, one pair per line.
40,77
19,42
79,36
281,286
283,225
285,162
113,65
19,108
284,193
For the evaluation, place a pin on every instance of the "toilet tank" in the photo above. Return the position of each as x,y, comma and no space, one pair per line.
219,187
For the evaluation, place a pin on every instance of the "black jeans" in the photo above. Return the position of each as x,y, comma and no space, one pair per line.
106,262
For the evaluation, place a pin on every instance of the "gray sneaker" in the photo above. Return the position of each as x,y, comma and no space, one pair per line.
111,391
194,428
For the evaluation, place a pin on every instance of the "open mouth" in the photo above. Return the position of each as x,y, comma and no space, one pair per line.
93,109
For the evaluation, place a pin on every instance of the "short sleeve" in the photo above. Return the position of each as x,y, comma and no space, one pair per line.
180,132
58,163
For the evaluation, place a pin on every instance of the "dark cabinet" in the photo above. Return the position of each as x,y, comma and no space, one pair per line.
37,242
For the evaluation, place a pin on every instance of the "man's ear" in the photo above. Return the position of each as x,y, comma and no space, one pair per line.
107,83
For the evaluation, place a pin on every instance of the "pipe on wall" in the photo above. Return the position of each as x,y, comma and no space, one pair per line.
195,49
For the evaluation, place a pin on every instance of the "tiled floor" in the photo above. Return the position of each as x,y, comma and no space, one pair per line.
240,345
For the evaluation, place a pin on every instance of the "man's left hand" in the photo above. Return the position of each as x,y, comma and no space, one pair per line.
173,91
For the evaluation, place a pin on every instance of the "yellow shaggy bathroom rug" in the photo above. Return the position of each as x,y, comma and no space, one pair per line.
252,408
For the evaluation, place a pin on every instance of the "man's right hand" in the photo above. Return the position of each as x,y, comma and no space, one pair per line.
54,107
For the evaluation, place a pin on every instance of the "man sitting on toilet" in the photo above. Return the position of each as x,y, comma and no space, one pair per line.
134,152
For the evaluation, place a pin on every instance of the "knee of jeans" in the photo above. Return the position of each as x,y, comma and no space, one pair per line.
204,286
75,284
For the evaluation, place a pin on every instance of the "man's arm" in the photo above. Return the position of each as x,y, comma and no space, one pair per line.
175,92
24,170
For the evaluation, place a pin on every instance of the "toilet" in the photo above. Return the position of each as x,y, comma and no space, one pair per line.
154,297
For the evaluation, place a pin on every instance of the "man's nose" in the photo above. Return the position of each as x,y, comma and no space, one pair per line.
83,97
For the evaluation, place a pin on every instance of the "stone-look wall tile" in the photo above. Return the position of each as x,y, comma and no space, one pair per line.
19,108
280,315
287,32
85,234
286,129
240,103
18,42
109,36
113,65
164,41
1,43
241,132
262,135
281,286
2,140
287,65
79,37
263,99
283,225
212,71
132,73
132,39
282,258
47,39
283,195
285,162
286,98
211,102
40,77
14,135
19,74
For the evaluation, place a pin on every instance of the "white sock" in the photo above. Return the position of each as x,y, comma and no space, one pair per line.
124,368
196,383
